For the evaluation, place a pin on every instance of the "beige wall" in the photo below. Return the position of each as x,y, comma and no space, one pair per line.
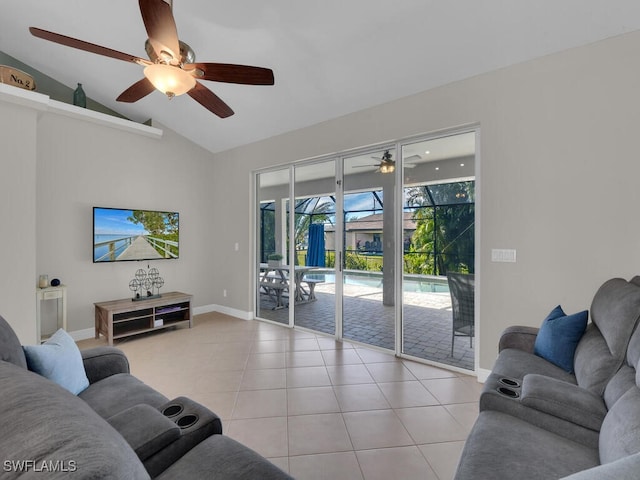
55,168
557,178
17,218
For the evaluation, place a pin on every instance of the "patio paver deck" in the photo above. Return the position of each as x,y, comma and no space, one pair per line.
427,322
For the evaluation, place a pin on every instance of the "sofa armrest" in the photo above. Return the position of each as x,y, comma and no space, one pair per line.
563,400
519,337
146,429
102,362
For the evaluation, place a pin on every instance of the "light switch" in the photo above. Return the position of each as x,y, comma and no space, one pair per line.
503,255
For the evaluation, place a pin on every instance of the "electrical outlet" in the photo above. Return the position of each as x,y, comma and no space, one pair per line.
237,246
224,292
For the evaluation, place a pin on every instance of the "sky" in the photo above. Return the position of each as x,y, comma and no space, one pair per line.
110,221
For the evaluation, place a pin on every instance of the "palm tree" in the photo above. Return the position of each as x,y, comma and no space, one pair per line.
444,239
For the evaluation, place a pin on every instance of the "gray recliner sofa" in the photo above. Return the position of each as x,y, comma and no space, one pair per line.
537,421
117,428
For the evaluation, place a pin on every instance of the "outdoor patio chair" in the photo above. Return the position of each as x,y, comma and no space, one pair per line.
461,288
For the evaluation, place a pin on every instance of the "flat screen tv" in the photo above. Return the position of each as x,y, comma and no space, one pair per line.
126,235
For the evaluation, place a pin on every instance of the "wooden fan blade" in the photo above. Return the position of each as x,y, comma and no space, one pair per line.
210,101
86,46
161,27
229,73
135,92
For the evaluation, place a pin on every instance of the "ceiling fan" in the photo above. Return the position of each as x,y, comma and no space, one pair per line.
171,68
386,163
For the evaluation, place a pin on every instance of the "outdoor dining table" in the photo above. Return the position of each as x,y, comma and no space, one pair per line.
277,279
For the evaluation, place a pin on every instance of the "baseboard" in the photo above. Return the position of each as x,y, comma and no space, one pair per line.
87,333
84,334
234,312
483,374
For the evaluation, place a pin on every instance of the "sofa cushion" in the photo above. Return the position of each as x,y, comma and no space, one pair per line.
502,446
106,397
59,360
633,349
619,433
43,422
558,337
615,310
620,383
594,364
515,363
10,348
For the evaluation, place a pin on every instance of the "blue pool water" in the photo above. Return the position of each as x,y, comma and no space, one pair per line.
410,284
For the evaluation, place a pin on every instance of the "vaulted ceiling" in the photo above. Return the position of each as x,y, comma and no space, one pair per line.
329,58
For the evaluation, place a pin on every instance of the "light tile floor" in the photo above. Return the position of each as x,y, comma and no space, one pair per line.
318,408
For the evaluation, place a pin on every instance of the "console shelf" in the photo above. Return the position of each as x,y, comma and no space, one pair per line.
123,318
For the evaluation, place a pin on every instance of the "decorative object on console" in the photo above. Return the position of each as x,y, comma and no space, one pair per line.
55,282
43,281
143,284
17,78
79,97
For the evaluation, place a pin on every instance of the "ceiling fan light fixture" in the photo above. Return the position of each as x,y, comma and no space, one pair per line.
170,80
387,168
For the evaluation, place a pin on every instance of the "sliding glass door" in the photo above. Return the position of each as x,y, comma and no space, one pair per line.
438,192
368,258
314,239
375,246
272,195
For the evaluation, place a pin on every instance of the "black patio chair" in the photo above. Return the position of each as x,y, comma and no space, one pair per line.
461,288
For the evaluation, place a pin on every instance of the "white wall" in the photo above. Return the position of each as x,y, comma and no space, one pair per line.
557,178
17,218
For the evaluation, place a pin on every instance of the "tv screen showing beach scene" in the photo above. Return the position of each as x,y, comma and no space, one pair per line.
126,235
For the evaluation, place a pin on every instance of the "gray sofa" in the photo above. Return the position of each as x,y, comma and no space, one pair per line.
118,428
538,421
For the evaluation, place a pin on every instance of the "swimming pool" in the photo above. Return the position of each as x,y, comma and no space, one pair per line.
410,283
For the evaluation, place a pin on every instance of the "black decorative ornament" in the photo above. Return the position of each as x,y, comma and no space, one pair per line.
55,282
144,284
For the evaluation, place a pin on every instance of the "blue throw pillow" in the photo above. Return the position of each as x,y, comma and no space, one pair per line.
59,360
559,336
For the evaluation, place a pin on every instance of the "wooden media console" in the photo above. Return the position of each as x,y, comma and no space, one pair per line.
123,318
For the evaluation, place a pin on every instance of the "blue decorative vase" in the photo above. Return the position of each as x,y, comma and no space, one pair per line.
79,97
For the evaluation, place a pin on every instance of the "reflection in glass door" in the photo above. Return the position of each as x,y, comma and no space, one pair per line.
438,231
314,286
368,299
272,194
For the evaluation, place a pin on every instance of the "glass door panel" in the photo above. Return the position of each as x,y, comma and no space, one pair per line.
315,229
438,239
272,193
368,257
